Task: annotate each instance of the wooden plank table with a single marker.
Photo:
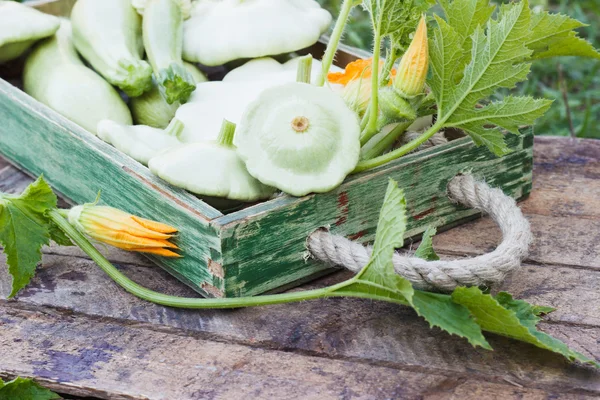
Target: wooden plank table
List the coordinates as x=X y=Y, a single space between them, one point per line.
x=75 y=331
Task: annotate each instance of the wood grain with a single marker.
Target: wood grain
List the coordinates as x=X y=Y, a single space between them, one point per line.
x=101 y=358
x=565 y=179
x=345 y=329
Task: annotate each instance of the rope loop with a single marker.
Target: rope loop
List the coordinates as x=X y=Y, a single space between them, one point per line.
x=445 y=275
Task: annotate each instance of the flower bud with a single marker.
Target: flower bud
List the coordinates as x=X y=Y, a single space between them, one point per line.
x=356 y=83
x=125 y=231
x=412 y=71
x=394 y=107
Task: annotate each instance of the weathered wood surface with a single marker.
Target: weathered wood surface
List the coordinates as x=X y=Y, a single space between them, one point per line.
x=169 y=366
x=77 y=332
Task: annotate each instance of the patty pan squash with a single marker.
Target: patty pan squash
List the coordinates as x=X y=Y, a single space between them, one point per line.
x=227 y=30
x=108 y=34
x=140 y=142
x=211 y=169
x=299 y=138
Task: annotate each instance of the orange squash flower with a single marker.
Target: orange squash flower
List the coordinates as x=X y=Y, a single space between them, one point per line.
x=356 y=82
x=125 y=231
x=413 y=67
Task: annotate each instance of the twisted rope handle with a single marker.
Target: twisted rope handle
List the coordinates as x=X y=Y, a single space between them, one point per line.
x=445 y=275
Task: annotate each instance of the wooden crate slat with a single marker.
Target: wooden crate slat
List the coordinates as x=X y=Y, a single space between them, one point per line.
x=265 y=250
x=78 y=165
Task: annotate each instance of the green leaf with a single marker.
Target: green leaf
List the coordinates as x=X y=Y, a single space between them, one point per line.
x=554 y=35
x=24 y=228
x=378 y=280
x=425 y=249
x=439 y=310
x=465 y=17
x=515 y=319
x=58 y=236
x=497 y=60
x=474 y=53
x=542 y=310
x=25 y=389
x=444 y=55
x=510 y=114
x=396 y=18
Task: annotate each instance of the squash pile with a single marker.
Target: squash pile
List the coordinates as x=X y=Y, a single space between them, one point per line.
x=277 y=122
x=266 y=127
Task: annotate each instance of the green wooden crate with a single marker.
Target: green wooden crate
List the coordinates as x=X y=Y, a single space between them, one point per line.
x=262 y=247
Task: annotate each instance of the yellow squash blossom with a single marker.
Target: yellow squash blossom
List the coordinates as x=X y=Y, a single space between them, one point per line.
x=356 y=83
x=125 y=231
x=413 y=67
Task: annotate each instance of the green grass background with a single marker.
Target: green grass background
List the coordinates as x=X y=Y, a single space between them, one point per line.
x=580 y=77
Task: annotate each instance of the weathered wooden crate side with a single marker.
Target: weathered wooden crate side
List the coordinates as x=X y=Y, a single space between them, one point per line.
x=78 y=165
x=264 y=246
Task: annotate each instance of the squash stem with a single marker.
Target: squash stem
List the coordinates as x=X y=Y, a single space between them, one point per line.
x=334 y=40
x=365 y=119
x=175 y=83
x=386 y=142
x=371 y=128
x=304 y=72
x=386 y=73
x=392 y=155
x=227 y=133
x=183 y=302
x=174 y=128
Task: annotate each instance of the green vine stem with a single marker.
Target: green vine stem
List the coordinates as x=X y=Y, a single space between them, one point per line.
x=371 y=128
x=390 y=59
x=365 y=118
x=399 y=152
x=386 y=142
x=334 y=40
x=183 y=302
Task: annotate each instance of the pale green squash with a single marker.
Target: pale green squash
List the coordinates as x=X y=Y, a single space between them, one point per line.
x=21 y=27
x=55 y=76
x=108 y=34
